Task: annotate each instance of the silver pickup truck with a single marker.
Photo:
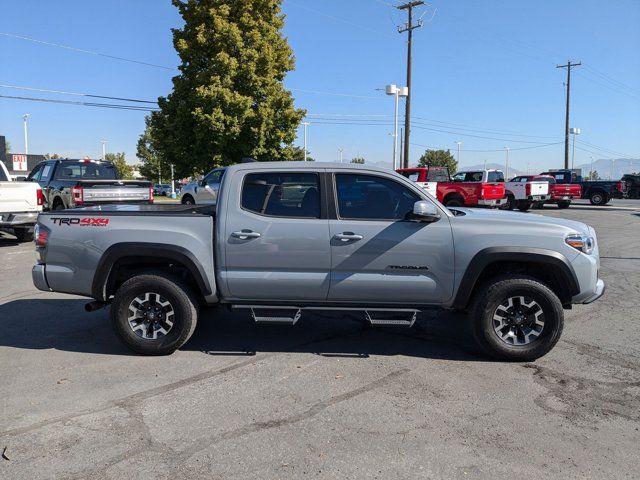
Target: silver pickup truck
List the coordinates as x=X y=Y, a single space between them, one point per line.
x=287 y=238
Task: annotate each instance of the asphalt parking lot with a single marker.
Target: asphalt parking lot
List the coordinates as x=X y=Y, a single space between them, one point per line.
x=328 y=398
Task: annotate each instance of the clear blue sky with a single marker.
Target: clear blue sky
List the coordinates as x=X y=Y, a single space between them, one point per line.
x=482 y=69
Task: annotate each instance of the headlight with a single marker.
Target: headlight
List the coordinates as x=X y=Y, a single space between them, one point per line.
x=584 y=243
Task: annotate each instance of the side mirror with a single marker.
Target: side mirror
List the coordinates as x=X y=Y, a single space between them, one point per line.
x=203 y=183
x=424 y=211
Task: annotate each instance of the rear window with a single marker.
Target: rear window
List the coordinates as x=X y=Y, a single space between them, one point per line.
x=495 y=177
x=282 y=194
x=86 y=171
x=436 y=175
x=468 y=177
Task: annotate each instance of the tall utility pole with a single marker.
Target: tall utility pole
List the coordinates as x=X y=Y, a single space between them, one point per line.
x=305 y=124
x=458 y=158
x=409 y=27
x=568 y=66
x=26 y=135
x=341 y=150
x=506 y=175
x=104 y=149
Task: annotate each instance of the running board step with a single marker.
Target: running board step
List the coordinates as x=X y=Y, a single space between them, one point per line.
x=391 y=318
x=276 y=315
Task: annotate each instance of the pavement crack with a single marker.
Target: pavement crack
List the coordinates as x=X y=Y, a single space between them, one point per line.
x=311 y=412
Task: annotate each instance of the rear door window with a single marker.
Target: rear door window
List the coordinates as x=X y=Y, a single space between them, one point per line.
x=282 y=194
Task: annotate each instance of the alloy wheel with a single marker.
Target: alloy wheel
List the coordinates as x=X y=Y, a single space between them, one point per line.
x=518 y=320
x=151 y=316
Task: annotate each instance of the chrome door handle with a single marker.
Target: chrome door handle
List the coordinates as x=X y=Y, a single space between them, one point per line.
x=347 y=236
x=245 y=234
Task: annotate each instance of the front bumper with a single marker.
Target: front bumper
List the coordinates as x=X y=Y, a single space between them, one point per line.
x=39 y=278
x=598 y=292
x=9 y=220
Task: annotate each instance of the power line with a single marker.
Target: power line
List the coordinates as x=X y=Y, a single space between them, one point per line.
x=82 y=50
x=488 y=151
x=83 y=104
x=46 y=90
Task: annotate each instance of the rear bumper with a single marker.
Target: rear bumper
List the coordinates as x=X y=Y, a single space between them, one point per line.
x=19 y=219
x=537 y=198
x=561 y=198
x=491 y=203
x=39 y=278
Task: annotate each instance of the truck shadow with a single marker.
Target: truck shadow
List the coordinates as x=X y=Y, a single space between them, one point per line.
x=63 y=324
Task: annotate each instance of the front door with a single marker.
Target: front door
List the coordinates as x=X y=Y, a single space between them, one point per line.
x=379 y=256
x=276 y=238
x=207 y=191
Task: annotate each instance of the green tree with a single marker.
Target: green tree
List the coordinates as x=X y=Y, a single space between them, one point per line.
x=154 y=165
x=52 y=156
x=439 y=158
x=228 y=102
x=359 y=160
x=124 y=169
x=593 y=175
x=291 y=153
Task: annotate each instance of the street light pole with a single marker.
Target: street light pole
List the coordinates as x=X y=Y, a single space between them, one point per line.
x=574 y=132
x=507 y=165
x=305 y=124
x=26 y=134
x=341 y=150
x=591 y=169
x=173 y=188
x=104 y=149
x=459 y=143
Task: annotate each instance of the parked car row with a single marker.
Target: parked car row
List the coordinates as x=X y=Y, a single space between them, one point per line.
x=488 y=188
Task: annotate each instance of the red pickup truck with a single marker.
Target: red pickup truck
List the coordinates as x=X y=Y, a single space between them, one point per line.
x=559 y=193
x=466 y=189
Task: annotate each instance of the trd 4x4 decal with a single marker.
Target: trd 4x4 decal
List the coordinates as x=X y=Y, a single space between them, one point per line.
x=83 y=222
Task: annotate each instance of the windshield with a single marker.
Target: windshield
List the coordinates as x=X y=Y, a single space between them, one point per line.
x=87 y=170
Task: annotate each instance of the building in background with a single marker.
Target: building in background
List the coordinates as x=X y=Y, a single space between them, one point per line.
x=18 y=164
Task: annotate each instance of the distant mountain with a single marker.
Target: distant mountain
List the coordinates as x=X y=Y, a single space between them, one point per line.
x=614 y=169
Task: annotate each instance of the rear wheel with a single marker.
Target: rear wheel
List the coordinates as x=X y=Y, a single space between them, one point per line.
x=516 y=318
x=510 y=204
x=564 y=204
x=523 y=205
x=23 y=234
x=154 y=314
x=188 y=200
x=598 y=198
x=454 y=202
x=537 y=205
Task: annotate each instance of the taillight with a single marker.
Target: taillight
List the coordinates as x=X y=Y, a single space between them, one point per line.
x=40 y=197
x=151 y=194
x=619 y=186
x=527 y=189
x=78 y=195
x=41 y=235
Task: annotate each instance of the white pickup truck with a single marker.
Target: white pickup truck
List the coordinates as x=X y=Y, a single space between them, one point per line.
x=521 y=192
x=20 y=204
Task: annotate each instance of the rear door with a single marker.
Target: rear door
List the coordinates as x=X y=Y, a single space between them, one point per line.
x=276 y=237
x=379 y=257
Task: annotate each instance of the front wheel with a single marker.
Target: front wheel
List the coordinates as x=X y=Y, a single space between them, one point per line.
x=564 y=204
x=454 y=202
x=154 y=314
x=516 y=318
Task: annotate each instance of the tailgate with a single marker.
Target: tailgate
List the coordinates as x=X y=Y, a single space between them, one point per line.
x=539 y=188
x=492 y=191
x=115 y=191
x=19 y=197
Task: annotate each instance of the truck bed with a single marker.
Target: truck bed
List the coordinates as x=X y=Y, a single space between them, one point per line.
x=80 y=240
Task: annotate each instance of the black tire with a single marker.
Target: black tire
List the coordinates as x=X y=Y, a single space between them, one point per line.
x=188 y=200
x=182 y=303
x=454 y=202
x=523 y=205
x=492 y=295
x=564 y=204
x=23 y=234
x=598 y=197
x=510 y=204
x=537 y=205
